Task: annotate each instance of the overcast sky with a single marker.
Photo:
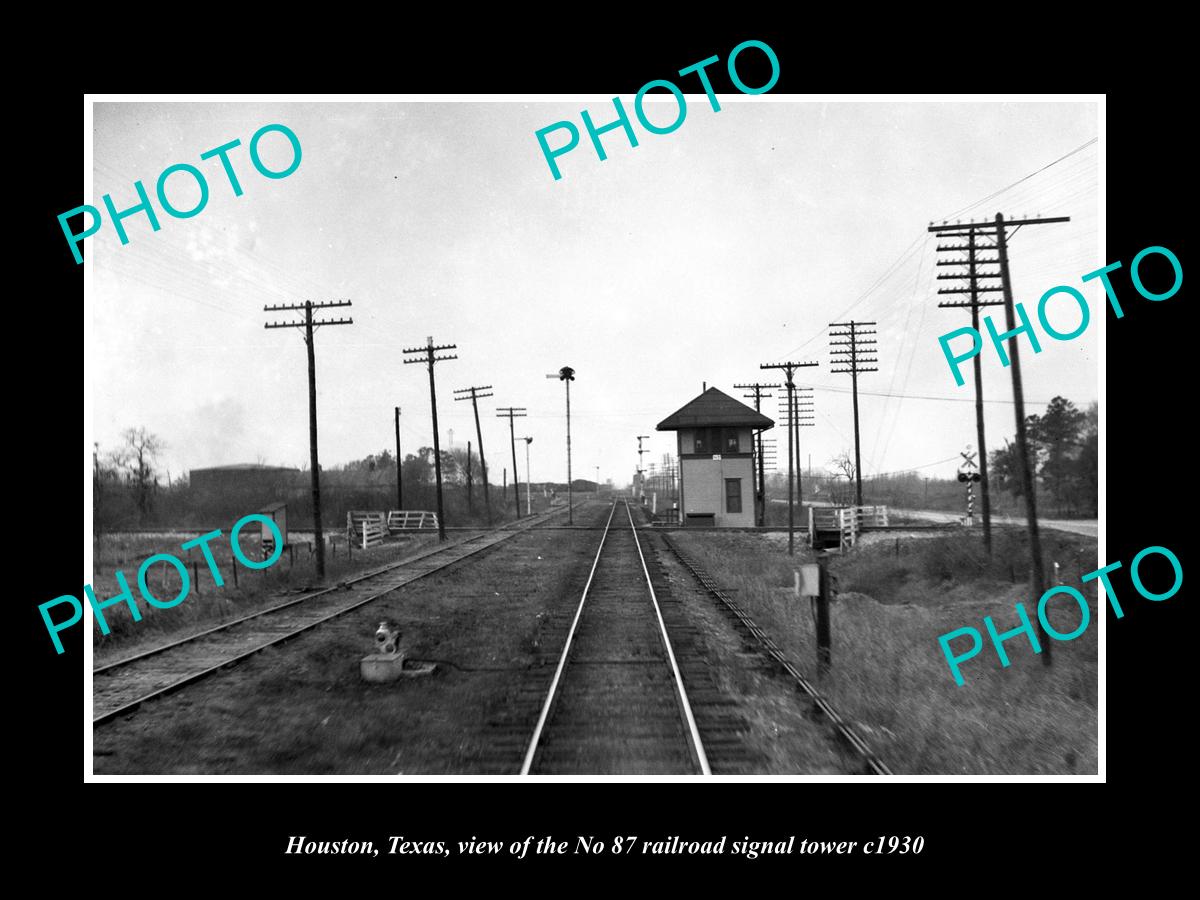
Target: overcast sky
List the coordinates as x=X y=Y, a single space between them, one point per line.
x=691 y=258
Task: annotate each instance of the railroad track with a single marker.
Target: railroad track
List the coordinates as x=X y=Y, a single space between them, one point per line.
x=120 y=687
x=617 y=703
x=872 y=763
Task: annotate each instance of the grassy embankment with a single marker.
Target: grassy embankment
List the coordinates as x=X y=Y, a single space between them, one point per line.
x=207 y=604
x=889 y=674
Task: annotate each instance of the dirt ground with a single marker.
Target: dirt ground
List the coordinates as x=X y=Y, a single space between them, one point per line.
x=494 y=626
x=208 y=604
x=303 y=708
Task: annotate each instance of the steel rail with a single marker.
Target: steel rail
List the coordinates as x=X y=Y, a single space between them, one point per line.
x=197 y=676
x=701 y=758
x=341 y=585
x=562 y=660
x=873 y=762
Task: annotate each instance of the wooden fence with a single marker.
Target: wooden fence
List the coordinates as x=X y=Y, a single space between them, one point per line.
x=842 y=524
x=365 y=528
x=410 y=520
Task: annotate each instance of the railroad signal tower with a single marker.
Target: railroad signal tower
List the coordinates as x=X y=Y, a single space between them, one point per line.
x=566 y=375
x=641 y=488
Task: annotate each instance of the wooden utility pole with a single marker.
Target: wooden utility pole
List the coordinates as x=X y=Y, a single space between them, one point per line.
x=470 y=483
x=428 y=355
x=472 y=394
x=399 y=480
x=998 y=231
x=759 y=396
x=801 y=406
x=860 y=360
x=510 y=413
x=308 y=306
x=789 y=369
x=973 y=276
x=802 y=419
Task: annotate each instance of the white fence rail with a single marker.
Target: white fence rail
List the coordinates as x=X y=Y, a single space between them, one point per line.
x=411 y=520
x=846 y=521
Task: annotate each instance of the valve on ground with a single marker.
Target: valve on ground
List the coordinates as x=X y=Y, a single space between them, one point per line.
x=387 y=639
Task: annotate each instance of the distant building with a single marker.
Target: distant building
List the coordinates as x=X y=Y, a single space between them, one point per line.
x=716 y=471
x=243 y=479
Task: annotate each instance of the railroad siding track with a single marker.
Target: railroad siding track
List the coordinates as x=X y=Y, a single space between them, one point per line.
x=721 y=721
x=120 y=687
x=870 y=763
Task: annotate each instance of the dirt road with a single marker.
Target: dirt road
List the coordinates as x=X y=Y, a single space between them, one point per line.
x=1086 y=527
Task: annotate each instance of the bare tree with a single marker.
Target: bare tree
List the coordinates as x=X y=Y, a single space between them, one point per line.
x=136 y=458
x=843 y=465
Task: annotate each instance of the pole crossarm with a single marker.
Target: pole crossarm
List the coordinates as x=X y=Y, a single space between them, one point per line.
x=301 y=307
x=992 y=225
x=968 y=304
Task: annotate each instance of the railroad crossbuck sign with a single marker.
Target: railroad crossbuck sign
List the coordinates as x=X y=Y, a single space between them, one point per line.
x=967 y=470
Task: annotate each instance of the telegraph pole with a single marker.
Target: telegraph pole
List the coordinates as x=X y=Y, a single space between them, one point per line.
x=470 y=483
x=567 y=374
x=399 y=480
x=308 y=306
x=513 y=412
x=998 y=231
x=861 y=357
x=789 y=368
x=801 y=418
x=758 y=396
x=428 y=355
x=472 y=394
x=801 y=403
x=973 y=276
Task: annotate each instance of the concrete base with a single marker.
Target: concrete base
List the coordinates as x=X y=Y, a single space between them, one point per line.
x=384 y=667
